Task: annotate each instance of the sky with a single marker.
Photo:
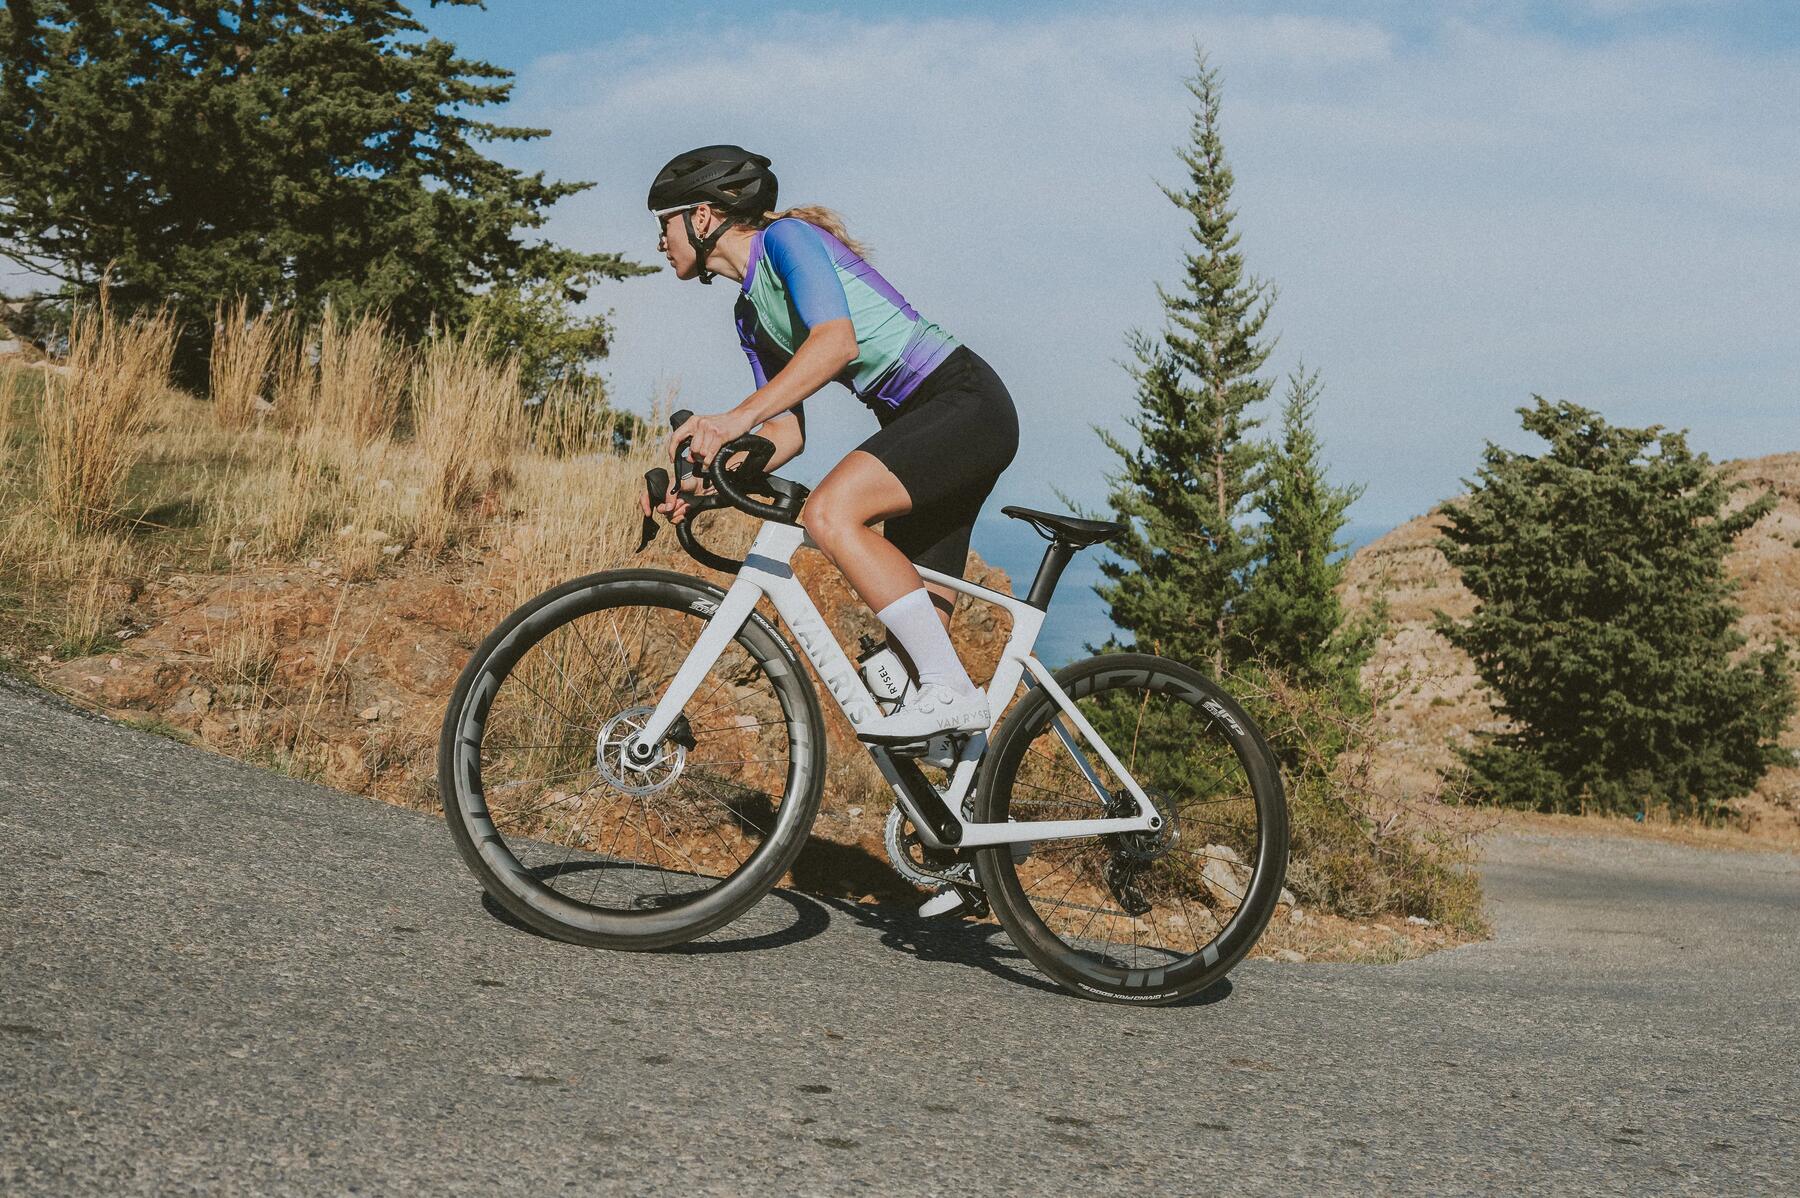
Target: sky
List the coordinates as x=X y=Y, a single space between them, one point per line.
x=1459 y=204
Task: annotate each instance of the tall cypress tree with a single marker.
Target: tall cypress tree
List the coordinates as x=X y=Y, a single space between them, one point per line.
x=291 y=152
x=1188 y=485
x=1291 y=617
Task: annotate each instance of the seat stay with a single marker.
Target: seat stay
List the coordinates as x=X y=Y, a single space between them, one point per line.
x=1081 y=759
x=1146 y=809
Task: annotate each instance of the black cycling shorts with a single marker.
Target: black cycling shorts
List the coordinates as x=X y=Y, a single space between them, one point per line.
x=947 y=444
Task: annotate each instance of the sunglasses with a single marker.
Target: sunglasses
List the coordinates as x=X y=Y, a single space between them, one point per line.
x=662 y=215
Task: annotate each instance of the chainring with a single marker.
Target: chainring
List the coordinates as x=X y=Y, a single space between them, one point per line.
x=903 y=843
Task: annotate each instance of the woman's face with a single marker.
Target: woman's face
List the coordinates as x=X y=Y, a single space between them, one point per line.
x=673 y=239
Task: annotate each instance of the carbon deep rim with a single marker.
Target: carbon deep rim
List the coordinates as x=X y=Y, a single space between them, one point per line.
x=524 y=890
x=1199 y=722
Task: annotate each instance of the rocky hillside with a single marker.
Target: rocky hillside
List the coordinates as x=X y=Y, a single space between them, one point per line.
x=259 y=658
x=1437 y=700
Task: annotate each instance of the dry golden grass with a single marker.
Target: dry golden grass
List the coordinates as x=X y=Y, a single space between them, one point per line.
x=374 y=507
x=468 y=421
x=219 y=493
x=11 y=395
x=296 y=382
x=70 y=579
x=243 y=351
x=245 y=651
x=85 y=618
x=94 y=417
x=577 y=515
x=328 y=685
x=573 y=420
x=296 y=496
x=361 y=378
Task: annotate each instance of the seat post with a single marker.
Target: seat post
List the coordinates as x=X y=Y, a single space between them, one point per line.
x=1057 y=557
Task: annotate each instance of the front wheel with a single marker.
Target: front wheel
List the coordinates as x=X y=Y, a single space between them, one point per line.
x=1146 y=917
x=580 y=843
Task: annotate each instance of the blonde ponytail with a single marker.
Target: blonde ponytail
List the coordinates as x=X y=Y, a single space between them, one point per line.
x=824 y=218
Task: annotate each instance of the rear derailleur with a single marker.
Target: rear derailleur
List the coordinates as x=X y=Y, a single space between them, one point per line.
x=1132 y=852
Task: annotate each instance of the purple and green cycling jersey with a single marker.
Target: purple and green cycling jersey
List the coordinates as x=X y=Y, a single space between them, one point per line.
x=800 y=276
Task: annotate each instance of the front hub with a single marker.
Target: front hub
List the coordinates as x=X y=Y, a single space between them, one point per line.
x=632 y=764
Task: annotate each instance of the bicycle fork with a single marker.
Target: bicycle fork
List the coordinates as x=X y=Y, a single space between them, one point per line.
x=722 y=624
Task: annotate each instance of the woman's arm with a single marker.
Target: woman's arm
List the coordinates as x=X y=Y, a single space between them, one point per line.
x=788 y=435
x=795 y=252
x=828 y=348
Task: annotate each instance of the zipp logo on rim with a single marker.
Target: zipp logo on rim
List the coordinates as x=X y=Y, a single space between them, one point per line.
x=1219 y=713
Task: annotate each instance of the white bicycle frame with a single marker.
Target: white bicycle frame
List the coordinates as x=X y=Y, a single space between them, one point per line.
x=766 y=571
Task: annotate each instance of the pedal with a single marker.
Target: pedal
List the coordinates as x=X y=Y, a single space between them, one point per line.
x=963 y=899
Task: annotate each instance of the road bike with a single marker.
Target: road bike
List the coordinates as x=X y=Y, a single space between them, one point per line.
x=634 y=758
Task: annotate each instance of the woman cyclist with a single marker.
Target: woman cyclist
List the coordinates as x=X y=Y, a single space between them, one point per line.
x=812 y=311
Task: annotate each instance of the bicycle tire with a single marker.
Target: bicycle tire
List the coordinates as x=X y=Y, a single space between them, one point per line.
x=716 y=849
x=1213 y=778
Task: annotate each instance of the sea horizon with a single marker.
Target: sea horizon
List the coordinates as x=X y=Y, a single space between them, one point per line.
x=1078 y=616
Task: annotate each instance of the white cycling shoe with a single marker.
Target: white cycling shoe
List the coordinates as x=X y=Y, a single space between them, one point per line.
x=929 y=711
x=944 y=902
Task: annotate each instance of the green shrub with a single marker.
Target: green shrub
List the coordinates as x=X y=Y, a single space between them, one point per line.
x=1358 y=849
x=1605 y=627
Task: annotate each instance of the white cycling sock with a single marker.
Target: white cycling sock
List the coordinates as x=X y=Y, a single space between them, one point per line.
x=913 y=620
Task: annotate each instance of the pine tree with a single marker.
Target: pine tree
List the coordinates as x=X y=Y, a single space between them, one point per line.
x=291 y=152
x=1605 y=627
x=1291 y=617
x=1187 y=488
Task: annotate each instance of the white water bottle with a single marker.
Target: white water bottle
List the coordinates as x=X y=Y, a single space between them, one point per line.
x=882 y=673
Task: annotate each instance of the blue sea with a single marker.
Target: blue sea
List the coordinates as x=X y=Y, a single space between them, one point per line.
x=1078 y=617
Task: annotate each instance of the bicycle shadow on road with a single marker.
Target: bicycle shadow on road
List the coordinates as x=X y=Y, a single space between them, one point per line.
x=749 y=933
x=982 y=945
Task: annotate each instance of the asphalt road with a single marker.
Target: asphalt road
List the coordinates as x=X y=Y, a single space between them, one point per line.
x=218 y=980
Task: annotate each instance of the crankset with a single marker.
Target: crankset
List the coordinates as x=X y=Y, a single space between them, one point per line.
x=917 y=862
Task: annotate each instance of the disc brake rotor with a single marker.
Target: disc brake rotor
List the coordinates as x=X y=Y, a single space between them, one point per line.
x=612 y=755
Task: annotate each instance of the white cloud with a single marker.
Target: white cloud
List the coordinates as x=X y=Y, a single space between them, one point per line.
x=1455 y=221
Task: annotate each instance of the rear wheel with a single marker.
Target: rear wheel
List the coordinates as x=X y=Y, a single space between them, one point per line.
x=1147 y=917
x=581 y=844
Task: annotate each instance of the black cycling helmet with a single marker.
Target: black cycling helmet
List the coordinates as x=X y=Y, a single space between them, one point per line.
x=729 y=177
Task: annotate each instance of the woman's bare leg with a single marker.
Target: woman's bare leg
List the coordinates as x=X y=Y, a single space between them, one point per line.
x=858 y=492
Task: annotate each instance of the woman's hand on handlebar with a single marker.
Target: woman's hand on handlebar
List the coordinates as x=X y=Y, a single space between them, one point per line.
x=673 y=505
x=707 y=434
